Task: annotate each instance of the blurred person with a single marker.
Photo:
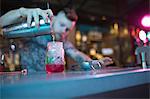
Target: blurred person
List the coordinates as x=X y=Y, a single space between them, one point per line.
x=33 y=51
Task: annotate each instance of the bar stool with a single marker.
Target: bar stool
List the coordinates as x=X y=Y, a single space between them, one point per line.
x=143 y=56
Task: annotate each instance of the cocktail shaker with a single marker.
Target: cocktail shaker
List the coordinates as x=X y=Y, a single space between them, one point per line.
x=21 y=30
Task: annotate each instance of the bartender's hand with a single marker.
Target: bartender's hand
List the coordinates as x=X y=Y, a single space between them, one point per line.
x=101 y=63
x=35 y=13
x=106 y=61
x=13 y=16
x=96 y=64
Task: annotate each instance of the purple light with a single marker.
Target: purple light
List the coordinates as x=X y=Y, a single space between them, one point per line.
x=146 y=21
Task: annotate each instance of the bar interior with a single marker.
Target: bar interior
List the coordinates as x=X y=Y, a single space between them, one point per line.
x=84 y=49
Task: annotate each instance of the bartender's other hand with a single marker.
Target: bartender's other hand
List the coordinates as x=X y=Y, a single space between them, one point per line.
x=96 y=64
x=106 y=61
x=35 y=13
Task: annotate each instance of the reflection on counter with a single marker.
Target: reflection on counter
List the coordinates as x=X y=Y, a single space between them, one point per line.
x=89 y=82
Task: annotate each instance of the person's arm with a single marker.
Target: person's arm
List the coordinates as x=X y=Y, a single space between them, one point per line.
x=14 y=15
x=82 y=59
x=10 y=17
x=74 y=53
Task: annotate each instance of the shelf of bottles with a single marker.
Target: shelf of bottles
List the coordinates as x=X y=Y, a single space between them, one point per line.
x=114 y=42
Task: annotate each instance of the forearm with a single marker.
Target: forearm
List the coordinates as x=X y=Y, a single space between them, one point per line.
x=82 y=59
x=10 y=17
x=77 y=56
x=74 y=53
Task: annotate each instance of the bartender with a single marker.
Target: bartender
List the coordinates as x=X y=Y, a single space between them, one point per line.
x=33 y=51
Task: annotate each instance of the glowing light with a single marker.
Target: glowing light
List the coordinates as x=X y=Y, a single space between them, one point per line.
x=92 y=18
x=116 y=26
x=137 y=30
x=112 y=31
x=125 y=31
x=133 y=33
x=92 y=51
x=78 y=36
x=142 y=35
x=107 y=51
x=98 y=56
x=78 y=43
x=103 y=18
x=148 y=35
x=13 y=47
x=84 y=38
x=146 y=21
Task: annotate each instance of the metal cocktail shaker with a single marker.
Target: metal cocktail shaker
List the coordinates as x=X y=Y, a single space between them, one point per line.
x=21 y=30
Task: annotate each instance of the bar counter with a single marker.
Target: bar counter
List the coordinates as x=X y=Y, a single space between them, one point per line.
x=70 y=84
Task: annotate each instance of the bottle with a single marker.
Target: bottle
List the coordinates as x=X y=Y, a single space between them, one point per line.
x=55 y=61
x=143 y=60
x=21 y=30
x=2 y=65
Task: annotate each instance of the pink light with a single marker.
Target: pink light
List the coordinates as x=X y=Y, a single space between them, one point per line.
x=146 y=21
x=142 y=35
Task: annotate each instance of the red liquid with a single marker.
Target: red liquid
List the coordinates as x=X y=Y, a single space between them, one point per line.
x=1 y=68
x=54 y=68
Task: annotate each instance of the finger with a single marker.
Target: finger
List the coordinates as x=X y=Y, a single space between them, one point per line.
x=36 y=18
x=107 y=58
x=93 y=67
x=44 y=16
x=49 y=12
x=99 y=64
x=107 y=61
x=50 y=17
x=94 y=62
x=29 y=19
